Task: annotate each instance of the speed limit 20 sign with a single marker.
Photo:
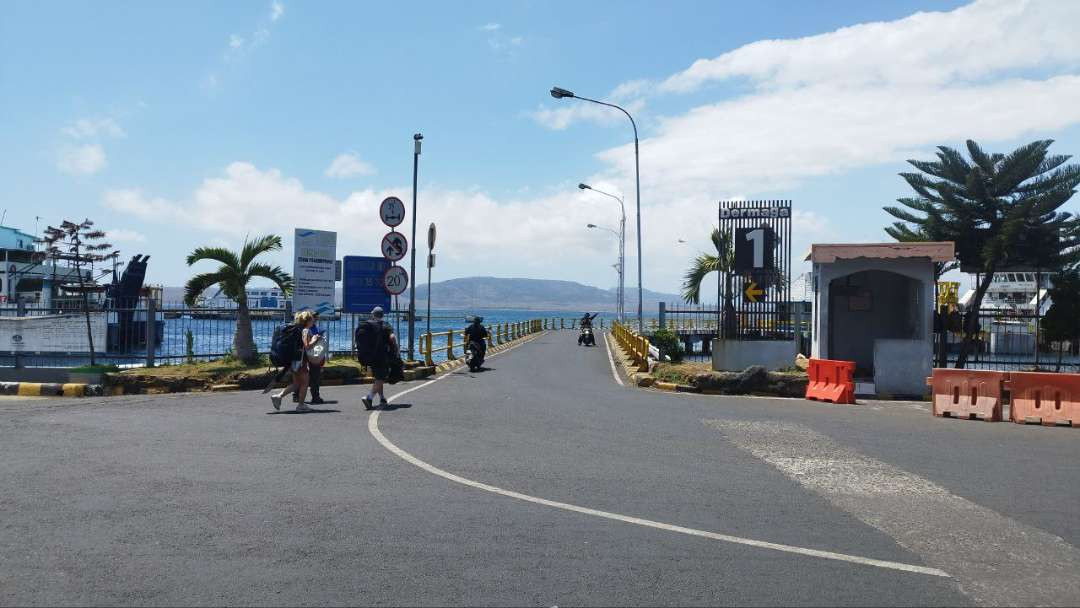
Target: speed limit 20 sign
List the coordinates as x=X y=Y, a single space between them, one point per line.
x=395 y=280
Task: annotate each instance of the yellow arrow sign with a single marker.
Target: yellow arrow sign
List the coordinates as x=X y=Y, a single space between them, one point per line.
x=753 y=292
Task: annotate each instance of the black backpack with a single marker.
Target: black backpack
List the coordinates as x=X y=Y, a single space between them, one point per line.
x=368 y=341
x=285 y=345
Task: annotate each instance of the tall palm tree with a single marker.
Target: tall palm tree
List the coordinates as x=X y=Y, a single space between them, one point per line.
x=232 y=276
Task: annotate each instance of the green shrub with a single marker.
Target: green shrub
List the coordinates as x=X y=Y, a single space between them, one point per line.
x=668 y=344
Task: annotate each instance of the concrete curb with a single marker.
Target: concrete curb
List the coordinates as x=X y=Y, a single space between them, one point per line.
x=50 y=389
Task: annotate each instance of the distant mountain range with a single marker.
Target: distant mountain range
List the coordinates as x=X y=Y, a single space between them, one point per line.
x=521 y=294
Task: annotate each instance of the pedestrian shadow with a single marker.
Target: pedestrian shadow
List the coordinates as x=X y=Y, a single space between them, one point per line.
x=310 y=411
x=389 y=407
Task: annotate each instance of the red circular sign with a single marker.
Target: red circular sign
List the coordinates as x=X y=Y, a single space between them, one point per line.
x=394 y=246
x=395 y=280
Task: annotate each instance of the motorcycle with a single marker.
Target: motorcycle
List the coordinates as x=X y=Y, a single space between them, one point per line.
x=586 y=338
x=474 y=356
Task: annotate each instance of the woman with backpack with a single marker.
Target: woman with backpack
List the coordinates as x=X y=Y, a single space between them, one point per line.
x=304 y=321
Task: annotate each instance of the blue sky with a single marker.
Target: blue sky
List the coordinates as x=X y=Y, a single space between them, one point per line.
x=176 y=125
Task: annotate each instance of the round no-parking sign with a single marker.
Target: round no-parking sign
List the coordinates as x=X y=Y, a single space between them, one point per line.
x=395 y=280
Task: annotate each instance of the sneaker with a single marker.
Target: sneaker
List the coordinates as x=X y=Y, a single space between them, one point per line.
x=317 y=401
x=303 y=408
x=367 y=403
x=276 y=400
x=384 y=403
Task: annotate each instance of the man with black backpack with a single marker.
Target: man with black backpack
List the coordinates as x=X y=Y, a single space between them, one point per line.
x=377 y=348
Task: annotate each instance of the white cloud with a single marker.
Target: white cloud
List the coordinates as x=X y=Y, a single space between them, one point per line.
x=89 y=128
x=81 y=160
x=968 y=44
x=491 y=27
x=121 y=235
x=573 y=111
x=348 y=165
x=277 y=9
x=235 y=41
x=517 y=40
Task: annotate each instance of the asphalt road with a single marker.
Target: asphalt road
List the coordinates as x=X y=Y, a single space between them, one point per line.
x=537 y=482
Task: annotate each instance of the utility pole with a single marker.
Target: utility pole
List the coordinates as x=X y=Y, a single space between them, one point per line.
x=417 y=138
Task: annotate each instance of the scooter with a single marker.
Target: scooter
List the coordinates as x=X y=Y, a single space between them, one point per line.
x=474 y=356
x=586 y=338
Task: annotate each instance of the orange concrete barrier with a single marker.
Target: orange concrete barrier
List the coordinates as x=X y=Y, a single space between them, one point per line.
x=831 y=381
x=968 y=394
x=1044 y=398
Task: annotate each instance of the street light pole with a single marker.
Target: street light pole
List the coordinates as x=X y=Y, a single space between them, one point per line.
x=412 y=261
x=621 y=301
x=619 y=267
x=558 y=93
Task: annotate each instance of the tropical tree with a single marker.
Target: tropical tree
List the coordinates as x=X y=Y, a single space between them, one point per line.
x=1000 y=210
x=704 y=265
x=232 y=276
x=1062 y=321
x=82 y=246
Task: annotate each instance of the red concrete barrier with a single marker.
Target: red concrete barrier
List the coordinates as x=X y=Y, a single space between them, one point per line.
x=831 y=381
x=1044 y=398
x=968 y=394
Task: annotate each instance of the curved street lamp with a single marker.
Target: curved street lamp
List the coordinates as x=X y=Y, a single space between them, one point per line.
x=621 y=300
x=559 y=93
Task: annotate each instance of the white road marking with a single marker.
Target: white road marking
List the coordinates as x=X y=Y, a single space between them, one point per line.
x=611 y=359
x=373 y=428
x=994 y=559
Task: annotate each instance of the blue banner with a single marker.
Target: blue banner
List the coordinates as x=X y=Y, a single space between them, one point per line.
x=362 y=284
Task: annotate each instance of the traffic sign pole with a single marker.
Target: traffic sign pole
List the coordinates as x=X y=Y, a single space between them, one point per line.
x=430 y=265
x=417 y=138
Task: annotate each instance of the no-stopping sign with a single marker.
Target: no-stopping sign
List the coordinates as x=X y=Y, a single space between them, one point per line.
x=395 y=280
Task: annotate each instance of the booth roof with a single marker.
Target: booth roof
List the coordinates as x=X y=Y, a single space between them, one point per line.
x=827 y=253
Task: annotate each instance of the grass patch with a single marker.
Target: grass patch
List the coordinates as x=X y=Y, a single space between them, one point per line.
x=211 y=370
x=681 y=373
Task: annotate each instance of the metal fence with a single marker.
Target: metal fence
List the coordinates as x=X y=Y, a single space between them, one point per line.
x=697 y=326
x=180 y=334
x=1007 y=341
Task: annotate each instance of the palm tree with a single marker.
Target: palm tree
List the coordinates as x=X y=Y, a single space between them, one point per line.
x=232 y=276
x=706 y=264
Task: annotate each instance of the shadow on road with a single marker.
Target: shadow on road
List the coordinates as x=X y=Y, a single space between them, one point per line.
x=311 y=411
x=389 y=407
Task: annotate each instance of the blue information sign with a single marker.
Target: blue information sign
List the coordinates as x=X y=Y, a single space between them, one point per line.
x=362 y=284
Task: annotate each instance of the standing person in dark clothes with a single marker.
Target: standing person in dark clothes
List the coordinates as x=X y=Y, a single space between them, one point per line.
x=380 y=366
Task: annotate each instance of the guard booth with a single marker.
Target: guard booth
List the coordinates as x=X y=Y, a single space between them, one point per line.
x=874 y=305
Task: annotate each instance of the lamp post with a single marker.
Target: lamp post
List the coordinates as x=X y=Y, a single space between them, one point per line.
x=558 y=93
x=618 y=267
x=412 y=260
x=622 y=249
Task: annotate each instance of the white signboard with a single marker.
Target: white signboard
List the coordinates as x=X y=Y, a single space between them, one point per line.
x=52 y=333
x=315 y=252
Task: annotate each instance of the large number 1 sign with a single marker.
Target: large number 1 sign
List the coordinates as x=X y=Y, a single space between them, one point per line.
x=753 y=249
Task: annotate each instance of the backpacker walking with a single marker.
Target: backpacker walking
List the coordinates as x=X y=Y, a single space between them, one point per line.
x=377 y=348
x=289 y=348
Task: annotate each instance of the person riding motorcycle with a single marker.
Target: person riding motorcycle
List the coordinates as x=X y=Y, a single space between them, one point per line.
x=476 y=332
x=586 y=321
x=585 y=335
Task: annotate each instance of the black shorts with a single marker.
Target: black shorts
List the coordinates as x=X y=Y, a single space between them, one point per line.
x=381 y=370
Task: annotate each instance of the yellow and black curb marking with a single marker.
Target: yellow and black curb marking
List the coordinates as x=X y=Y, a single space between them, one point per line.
x=644 y=379
x=50 y=389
